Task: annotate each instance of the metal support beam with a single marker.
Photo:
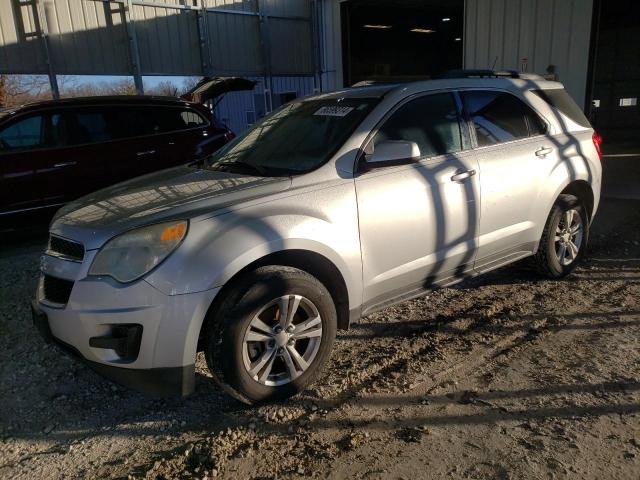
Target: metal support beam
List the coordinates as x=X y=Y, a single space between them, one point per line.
x=203 y=35
x=315 y=45
x=263 y=26
x=44 y=28
x=133 y=47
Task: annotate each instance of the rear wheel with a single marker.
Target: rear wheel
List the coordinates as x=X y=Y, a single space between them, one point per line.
x=564 y=238
x=271 y=335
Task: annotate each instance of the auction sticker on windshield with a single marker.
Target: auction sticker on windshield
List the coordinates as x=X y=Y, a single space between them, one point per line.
x=332 y=111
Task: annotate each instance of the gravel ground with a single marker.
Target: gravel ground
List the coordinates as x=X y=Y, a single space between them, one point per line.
x=504 y=376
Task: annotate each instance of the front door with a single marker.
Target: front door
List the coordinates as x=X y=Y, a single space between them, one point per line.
x=418 y=222
x=22 y=163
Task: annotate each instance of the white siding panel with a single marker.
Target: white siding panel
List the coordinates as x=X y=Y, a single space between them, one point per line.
x=234 y=41
x=20 y=50
x=168 y=41
x=291 y=46
x=545 y=32
x=331 y=76
x=239 y=5
x=286 y=8
x=87 y=37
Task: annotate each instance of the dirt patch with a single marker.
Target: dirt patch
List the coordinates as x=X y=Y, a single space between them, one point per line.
x=504 y=376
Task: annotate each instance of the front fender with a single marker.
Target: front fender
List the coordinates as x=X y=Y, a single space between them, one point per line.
x=217 y=248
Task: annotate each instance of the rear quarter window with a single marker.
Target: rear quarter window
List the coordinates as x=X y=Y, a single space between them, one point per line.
x=159 y=119
x=559 y=98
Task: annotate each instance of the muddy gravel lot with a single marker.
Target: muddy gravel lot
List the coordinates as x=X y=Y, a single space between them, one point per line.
x=504 y=376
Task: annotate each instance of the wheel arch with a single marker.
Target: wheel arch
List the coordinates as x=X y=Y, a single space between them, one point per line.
x=306 y=260
x=584 y=192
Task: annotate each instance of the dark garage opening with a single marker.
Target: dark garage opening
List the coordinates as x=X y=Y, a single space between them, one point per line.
x=389 y=40
x=615 y=109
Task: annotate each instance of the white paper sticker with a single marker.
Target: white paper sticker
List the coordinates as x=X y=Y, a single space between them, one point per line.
x=333 y=111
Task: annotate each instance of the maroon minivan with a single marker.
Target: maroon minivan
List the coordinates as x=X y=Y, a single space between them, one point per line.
x=55 y=151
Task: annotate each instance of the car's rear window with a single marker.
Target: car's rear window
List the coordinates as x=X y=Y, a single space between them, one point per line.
x=560 y=99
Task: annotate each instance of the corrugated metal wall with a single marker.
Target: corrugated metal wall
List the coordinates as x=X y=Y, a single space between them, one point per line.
x=173 y=37
x=19 y=39
x=234 y=43
x=330 y=44
x=544 y=32
x=168 y=40
x=239 y=109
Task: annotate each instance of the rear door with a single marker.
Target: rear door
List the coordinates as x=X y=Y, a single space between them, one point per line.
x=175 y=135
x=514 y=157
x=89 y=149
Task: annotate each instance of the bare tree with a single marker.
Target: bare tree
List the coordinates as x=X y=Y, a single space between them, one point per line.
x=188 y=83
x=17 y=90
x=165 y=88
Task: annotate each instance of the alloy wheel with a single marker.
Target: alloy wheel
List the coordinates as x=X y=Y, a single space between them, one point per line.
x=282 y=340
x=568 y=237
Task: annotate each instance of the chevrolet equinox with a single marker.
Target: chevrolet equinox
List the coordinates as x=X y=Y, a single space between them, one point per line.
x=330 y=208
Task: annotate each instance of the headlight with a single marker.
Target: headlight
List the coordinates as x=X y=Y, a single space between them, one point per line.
x=129 y=256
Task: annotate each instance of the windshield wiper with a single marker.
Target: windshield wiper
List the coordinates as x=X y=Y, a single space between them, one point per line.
x=246 y=166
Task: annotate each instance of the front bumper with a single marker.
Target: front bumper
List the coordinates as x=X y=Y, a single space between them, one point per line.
x=159 y=382
x=161 y=362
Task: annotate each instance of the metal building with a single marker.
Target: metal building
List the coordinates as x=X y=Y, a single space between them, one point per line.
x=295 y=47
x=592 y=46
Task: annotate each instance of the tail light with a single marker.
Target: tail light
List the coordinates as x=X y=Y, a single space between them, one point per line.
x=597 y=142
x=230 y=136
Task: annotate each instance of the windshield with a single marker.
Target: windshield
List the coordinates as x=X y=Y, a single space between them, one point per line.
x=295 y=139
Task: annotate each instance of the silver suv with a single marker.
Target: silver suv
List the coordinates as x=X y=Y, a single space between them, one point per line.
x=330 y=208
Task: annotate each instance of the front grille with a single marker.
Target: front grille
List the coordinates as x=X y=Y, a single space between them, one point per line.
x=65 y=248
x=56 y=290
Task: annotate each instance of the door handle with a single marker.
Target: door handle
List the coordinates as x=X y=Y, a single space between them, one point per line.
x=64 y=164
x=459 y=177
x=543 y=152
x=146 y=152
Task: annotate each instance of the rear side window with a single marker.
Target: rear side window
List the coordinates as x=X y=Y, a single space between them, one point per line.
x=169 y=119
x=559 y=98
x=192 y=119
x=496 y=116
x=26 y=134
x=432 y=121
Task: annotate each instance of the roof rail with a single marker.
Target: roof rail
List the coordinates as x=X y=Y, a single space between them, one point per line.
x=478 y=73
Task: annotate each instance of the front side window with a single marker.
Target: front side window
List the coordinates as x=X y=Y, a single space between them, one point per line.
x=25 y=134
x=431 y=121
x=296 y=138
x=499 y=117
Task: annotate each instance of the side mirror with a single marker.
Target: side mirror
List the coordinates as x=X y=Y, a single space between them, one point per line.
x=393 y=152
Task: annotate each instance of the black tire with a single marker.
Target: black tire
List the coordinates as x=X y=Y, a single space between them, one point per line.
x=546 y=259
x=224 y=342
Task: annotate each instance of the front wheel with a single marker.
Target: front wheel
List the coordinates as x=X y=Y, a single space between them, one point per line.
x=271 y=335
x=564 y=238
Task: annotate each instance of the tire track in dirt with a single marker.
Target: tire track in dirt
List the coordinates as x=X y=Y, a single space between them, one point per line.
x=419 y=356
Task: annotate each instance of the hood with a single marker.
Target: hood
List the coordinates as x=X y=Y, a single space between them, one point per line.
x=209 y=88
x=181 y=192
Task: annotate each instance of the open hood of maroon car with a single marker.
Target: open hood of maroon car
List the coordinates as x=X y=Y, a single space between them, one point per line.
x=212 y=87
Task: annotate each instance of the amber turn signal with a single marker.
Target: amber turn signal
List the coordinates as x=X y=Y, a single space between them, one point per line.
x=174 y=232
